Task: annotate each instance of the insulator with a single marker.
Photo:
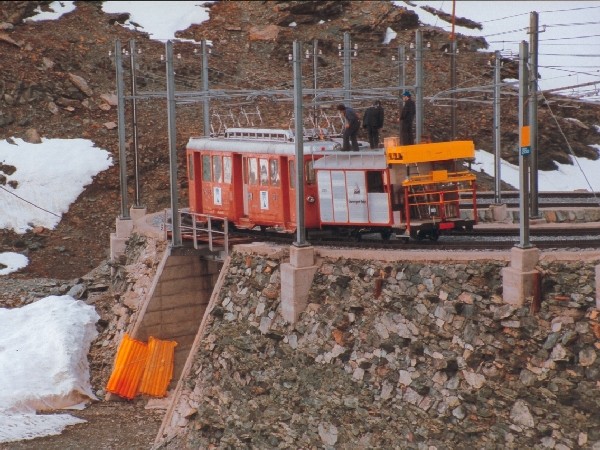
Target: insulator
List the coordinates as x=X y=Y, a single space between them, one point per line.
x=289 y=57
x=178 y=55
x=412 y=45
x=339 y=46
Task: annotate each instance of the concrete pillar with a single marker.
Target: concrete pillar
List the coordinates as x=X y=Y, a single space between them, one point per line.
x=118 y=240
x=499 y=212
x=520 y=278
x=137 y=213
x=598 y=287
x=296 y=280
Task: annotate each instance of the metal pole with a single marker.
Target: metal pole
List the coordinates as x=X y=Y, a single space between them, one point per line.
x=523 y=159
x=497 y=147
x=401 y=81
x=347 y=71
x=315 y=65
x=136 y=170
x=419 y=85
x=176 y=236
x=533 y=112
x=121 y=130
x=453 y=87
x=299 y=140
x=205 y=101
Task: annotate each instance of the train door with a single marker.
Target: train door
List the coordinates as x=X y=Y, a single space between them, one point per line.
x=263 y=186
x=311 y=208
x=246 y=184
x=217 y=171
x=378 y=199
x=207 y=194
x=195 y=181
x=354 y=197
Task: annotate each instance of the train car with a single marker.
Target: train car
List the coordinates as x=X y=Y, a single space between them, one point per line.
x=414 y=191
x=248 y=176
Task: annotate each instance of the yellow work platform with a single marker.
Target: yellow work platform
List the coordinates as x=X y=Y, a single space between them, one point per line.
x=436 y=151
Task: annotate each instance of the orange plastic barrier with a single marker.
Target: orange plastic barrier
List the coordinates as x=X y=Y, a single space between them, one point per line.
x=159 y=367
x=142 y=368
x=129 y=368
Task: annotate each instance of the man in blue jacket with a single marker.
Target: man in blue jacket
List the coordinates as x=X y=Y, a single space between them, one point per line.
x=351 y=128
x=406 y=118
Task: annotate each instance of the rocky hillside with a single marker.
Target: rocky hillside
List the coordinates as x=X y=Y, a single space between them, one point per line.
x=402 y=354
x=56 y=79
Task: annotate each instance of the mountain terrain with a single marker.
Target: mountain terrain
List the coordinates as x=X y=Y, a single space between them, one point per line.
x=57 y=80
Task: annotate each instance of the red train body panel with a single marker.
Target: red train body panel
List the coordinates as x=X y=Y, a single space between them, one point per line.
x=248 y=177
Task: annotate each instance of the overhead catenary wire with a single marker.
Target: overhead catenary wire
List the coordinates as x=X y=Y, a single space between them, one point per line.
x=569 y=147
x=31 y=203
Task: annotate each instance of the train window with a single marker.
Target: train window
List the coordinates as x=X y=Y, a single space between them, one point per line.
x=217 y=169
x=206 y=168
x=274 y=171
x=227 y=169
x=191 y=166
x=309 y=173
x=292 y=173
x=264 y=171
x=252 y=170
x=374 y=181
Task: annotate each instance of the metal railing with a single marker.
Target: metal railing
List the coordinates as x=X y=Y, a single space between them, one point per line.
x=196 y=226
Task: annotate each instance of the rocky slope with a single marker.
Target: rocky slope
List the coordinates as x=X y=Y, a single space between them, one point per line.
x=56 y=75
x=400 y=354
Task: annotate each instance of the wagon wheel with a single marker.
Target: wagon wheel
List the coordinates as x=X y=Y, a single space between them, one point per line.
x=386 y=234
x=434 y=235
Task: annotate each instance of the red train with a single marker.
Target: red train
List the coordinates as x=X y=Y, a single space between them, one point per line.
x=248 y=177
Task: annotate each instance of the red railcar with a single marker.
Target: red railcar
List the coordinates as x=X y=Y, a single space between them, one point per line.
x=248 y=177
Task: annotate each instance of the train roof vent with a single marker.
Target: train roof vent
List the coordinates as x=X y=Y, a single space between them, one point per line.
x=260 y=134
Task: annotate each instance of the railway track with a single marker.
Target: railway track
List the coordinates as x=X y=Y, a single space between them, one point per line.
x=497 y=239
x=545 y=199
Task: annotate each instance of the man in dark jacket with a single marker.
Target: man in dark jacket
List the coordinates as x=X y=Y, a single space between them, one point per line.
x=373 y=122
x=406 y=118
x=351 y=128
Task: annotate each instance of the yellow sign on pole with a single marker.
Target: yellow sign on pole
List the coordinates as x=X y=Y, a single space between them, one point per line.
x=525 y=140
x=526 y=136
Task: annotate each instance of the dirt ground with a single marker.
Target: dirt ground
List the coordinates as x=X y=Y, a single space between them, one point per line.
x=110 y=425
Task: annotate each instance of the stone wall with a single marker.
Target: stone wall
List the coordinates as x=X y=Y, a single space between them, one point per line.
x=394 y=355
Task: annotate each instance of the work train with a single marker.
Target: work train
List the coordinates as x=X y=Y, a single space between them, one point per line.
x=248 y=177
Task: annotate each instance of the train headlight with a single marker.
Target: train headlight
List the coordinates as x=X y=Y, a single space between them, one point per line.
x=310 y=199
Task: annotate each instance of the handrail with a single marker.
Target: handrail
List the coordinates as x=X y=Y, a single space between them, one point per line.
x=201 y=224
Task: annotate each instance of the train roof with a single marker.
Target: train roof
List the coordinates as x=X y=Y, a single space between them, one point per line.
x=260 y=140
x=365 y=160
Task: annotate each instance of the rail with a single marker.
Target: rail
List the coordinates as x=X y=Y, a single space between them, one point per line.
x=195 y=226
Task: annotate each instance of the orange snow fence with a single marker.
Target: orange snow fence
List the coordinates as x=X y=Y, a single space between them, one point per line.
x=129 y=368
x=159 y=367
x=141 y=367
